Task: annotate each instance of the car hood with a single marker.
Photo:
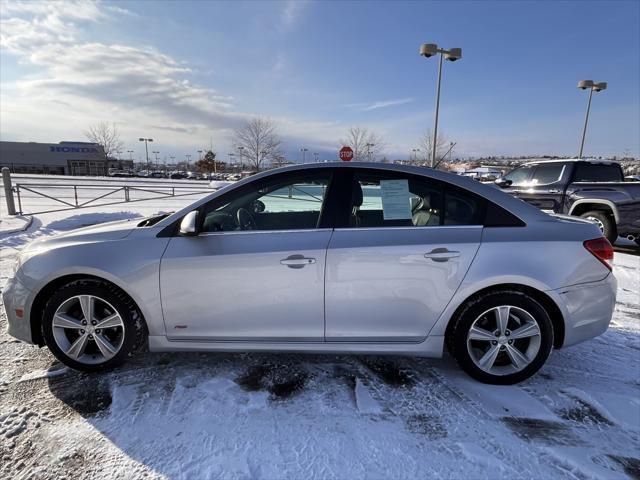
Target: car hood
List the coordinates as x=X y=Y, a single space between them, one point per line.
x=93 y=233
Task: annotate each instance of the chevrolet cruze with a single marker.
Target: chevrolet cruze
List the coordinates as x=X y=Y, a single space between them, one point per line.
x=335 y=257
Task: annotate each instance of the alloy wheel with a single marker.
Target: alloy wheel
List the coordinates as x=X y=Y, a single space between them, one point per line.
x=504 y=340
x=88 y=329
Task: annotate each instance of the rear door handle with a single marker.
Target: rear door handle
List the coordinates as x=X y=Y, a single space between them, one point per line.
x=297 y=261
x=554 y=190
x=441 y=254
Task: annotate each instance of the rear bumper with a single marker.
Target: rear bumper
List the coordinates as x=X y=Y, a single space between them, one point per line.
x=587 y=309
x=15 y=296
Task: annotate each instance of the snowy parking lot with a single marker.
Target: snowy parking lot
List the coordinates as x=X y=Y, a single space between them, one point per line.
x=308 y=416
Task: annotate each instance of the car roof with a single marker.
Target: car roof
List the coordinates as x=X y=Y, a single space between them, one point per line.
x=570 y=160
x=516 y=206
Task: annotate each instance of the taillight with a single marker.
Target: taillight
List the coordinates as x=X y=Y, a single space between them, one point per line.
x=601 y=249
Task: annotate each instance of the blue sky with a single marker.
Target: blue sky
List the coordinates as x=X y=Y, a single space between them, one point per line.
x=187 y=73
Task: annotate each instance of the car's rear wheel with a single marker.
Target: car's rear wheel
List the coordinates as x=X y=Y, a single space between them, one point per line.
x=605 y=223
x=89 y=325
x=502 y=337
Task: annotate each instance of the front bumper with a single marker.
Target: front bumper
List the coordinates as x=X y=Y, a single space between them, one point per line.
x=588 y=309
x=15 y=296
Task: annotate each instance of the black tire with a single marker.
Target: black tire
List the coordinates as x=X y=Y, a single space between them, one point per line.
x=134 y=332
x=608 y=227
x=457 y=335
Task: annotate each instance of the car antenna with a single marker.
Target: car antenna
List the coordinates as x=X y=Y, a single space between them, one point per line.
x=451 y=145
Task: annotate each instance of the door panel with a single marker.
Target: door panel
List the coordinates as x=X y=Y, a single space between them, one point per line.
x=245 y=286
x=392 y=284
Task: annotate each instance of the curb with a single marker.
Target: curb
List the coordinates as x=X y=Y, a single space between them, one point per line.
x=15 y=223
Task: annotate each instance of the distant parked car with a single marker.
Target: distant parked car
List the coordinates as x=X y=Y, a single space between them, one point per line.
x=177 y=175
x=120 y=173
x=632 y=178
x=217 y=184
x=332 y=257
x=590 y=189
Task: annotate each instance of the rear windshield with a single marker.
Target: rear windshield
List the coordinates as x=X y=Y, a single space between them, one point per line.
x=590 y=172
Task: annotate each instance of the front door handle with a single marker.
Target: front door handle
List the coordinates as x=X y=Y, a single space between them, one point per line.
x=297 y=261
x=554 y=190
x=441 y=254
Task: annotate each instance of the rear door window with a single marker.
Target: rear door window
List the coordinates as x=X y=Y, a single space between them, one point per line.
x=545 y=174
x=396 y=199
x=590 y=172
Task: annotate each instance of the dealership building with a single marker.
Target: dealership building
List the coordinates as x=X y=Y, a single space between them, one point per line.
x=64 y=158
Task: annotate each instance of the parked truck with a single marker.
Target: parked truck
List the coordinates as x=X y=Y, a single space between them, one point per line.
x=591 y=189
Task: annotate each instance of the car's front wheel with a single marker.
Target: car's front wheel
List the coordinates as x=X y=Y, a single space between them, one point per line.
x=502 y=338
x=89 y=325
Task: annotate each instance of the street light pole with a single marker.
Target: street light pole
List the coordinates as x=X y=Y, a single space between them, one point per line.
x=435 y=127
x=315 y=156
x=188 y=158
x=241 y=150
x=304 y=154
x=428 y=50
x=584 y=84
x=146 y=147
x=369 y=145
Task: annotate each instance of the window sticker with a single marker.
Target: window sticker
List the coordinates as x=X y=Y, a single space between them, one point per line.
x=396 y=199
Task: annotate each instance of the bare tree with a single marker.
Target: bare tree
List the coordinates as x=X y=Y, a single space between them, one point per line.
x=260 y=141
x=107 y=136
x=366 y=145
x=426 y=145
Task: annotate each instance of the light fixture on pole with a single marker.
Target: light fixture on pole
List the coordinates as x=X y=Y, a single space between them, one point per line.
x=429 y=50
x=593 y=87
x=241 y=150
x=130 y=152
x=304 y=151
x=415 y=154
x=199 y=154
x=156 y=154
x=146 y=147
x=369 y=145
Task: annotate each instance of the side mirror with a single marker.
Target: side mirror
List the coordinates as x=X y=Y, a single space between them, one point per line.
x=503 y=182
x=188 y=225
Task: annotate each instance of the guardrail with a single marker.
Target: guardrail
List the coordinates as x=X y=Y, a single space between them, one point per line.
x=83 y=195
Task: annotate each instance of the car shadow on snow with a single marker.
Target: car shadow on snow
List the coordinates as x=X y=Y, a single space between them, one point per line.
x=217 y=409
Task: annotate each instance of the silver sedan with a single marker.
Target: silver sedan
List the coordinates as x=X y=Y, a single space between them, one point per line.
x=335 y=257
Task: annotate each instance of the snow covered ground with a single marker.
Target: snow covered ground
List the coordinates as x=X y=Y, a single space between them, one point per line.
x=302 y=416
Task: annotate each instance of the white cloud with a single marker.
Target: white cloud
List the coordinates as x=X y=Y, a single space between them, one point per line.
x=291 y=12
x=368 y=106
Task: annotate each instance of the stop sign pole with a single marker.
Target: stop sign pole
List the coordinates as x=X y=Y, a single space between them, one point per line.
x=346 y=154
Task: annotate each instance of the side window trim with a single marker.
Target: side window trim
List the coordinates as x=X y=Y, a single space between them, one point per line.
x=343 y=202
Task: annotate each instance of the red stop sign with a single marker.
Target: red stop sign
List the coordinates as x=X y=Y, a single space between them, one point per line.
x=346 y=154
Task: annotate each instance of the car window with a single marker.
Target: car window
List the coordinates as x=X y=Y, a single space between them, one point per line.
x=290 y=203
x=590 y=172
x=519 y=176
x=547 y=173
x=462 y=208
x=391 y=199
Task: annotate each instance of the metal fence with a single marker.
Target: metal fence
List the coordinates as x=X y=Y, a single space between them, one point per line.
x=73 y=196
